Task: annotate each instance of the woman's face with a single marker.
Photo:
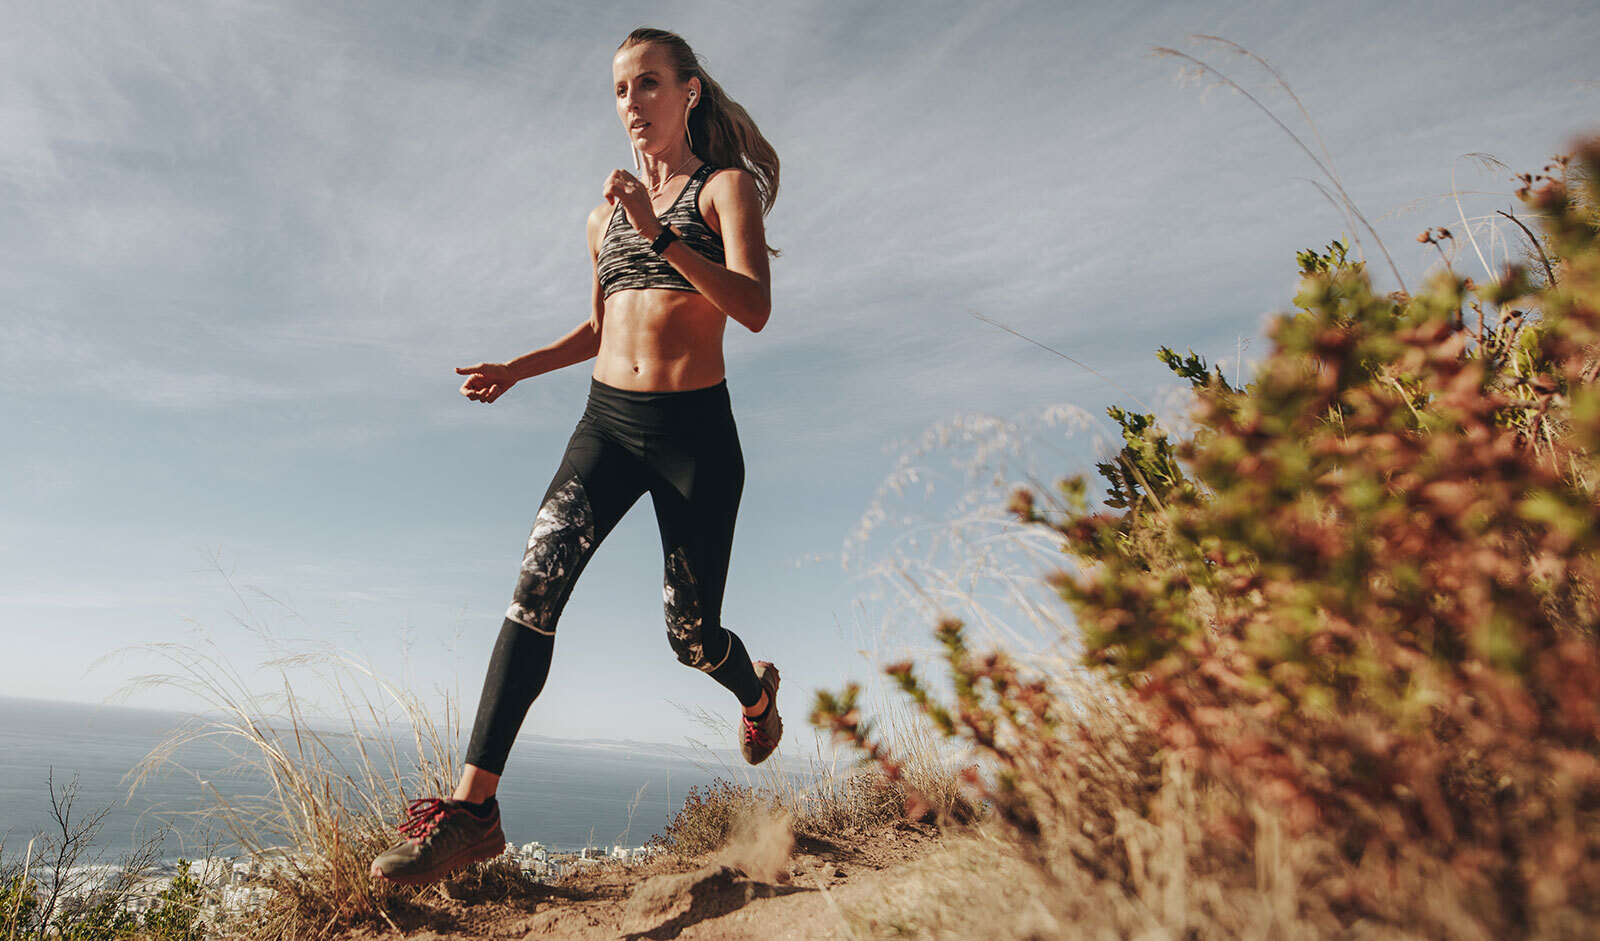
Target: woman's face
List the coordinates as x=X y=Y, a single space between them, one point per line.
x=651 y=102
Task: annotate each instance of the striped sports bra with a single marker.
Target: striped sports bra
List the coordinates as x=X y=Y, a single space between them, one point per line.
x=626 y=263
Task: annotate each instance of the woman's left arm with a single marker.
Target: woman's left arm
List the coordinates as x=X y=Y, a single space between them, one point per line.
x=742 y=288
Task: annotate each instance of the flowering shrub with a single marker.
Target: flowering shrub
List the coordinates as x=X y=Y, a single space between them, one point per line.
x=1360 y=596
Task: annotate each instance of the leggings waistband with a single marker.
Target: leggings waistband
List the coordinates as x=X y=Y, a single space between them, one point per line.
x=659 y=411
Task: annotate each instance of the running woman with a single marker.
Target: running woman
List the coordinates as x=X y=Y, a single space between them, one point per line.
x=678 y=251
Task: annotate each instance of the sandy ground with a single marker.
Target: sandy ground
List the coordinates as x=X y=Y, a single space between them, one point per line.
x=768 y=885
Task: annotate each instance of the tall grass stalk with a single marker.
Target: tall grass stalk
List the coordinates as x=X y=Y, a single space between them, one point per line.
x=21 y=891
x=339 y=750
x=1340 y=199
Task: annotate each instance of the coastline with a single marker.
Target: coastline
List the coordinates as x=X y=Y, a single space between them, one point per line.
x=565 y=794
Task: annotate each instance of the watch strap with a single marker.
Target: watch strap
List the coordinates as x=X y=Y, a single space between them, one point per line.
x=667 y=237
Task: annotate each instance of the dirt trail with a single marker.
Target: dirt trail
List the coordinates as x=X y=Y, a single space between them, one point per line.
x=766 y=887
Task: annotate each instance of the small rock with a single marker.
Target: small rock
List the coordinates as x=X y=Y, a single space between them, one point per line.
x=451 y=891
x=687 y=898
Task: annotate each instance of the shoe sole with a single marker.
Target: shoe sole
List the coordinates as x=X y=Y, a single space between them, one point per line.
x=476 y=853
x=772 y=671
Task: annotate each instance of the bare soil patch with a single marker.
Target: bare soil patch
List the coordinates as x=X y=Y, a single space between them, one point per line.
x=765 y=885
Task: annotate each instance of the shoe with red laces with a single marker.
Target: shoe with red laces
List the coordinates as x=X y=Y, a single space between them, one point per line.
x=441 y=835
x=758 y=737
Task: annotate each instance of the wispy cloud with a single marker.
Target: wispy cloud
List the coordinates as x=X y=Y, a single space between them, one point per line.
x=246 y=243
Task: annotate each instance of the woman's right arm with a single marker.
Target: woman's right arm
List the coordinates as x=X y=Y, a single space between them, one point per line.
x=488 y=381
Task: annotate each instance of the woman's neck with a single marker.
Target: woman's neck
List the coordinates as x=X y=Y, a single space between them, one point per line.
x=658 y=169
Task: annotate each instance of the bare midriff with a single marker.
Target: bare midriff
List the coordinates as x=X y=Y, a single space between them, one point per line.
x=656 y=340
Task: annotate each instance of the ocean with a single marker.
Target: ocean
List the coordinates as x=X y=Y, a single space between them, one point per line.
x=566 y=795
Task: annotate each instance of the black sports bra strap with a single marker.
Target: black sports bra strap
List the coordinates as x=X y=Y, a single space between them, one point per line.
x=697 y=182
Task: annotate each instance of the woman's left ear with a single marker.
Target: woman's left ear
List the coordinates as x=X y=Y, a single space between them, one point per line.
x=694 y=92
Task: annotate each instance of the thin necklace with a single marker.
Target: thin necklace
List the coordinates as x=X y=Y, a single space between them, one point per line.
x=656 y=187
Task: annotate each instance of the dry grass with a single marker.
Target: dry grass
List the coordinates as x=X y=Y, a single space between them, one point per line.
x=824 y=794
x=978 y=885
x=826 y=801
x=1101 y=834
x=340 y=750
x=709 y=818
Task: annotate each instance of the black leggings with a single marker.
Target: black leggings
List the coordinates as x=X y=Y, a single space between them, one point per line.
x=683 y=449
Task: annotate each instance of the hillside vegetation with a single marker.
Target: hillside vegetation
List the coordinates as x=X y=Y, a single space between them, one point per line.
x=1341 y=668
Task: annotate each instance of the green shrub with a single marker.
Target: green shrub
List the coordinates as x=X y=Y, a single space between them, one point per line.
x=1373 y=605
x=19 y=901
x=103 y=919
x=176 y=916
x=59 y=889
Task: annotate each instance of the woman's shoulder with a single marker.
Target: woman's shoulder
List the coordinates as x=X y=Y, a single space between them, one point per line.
x=727 y=176
x=730 y=183
x=599 y=218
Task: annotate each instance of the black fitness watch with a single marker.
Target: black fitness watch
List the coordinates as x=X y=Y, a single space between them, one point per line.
x=667 y=237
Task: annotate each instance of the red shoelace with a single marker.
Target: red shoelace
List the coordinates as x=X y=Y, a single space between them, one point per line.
x=423 y=816
x=754 y=735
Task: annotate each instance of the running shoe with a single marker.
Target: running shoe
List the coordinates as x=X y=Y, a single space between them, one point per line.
x=441 y=835
x=757 y=739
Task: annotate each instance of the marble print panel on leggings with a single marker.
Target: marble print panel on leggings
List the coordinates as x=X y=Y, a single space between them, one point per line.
x=562 y=534
x=680 y=597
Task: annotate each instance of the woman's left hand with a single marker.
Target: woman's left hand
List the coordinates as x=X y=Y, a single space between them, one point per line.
x=486 y=381
x=622 y=186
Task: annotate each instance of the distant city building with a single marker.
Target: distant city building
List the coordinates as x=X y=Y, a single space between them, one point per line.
x=631 y=855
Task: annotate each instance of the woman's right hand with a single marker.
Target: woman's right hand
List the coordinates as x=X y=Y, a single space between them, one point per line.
x=627 y=189
x=486 y=381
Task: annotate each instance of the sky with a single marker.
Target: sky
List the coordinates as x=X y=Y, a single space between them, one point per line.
x=247 y=244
